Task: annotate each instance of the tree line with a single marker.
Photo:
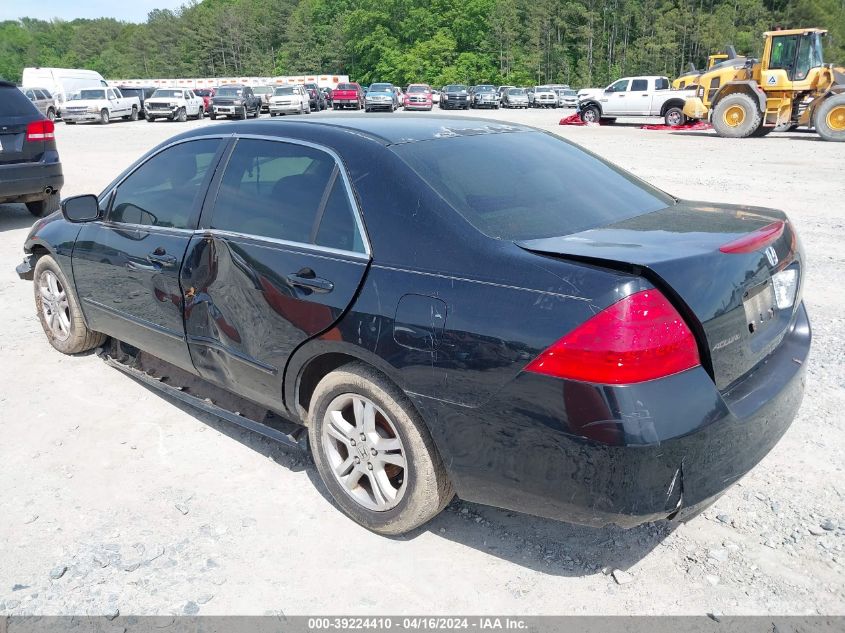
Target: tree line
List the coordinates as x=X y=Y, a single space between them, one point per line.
x=578 y=42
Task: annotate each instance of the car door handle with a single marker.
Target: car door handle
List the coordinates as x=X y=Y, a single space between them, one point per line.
x=306 y=278
x=161 y=258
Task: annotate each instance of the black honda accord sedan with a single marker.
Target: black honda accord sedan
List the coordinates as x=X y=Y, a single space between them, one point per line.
x=449 y=307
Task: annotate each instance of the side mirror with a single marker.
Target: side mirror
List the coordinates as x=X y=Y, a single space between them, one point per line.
x=81 y=208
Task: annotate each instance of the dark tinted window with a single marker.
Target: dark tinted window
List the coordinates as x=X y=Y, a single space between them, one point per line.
x=639 y=85
x=662 y=84
x=15 y=103
x=529 y=185
x=272 y=189
x=338 y=228
x=346 y=87
x=165 y=190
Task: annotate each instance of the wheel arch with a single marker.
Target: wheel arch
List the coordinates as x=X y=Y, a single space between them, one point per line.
x=745 y=86
x=672 y=103
x=590 y=103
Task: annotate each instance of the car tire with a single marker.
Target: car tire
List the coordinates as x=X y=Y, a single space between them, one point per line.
x=212 y=116
x=150 y=119
x=181 y=115
x=51 y=114
x=69 y=122
x=200 y=113
x=40 y=208
x=134 y=115
x=104 y=117
x=394 y=499
x=59 y=311
x=674 y=116
x=736 y=116
x=590 y=114
x=830 y=118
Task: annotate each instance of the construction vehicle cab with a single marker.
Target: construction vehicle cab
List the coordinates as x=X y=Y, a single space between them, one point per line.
x=690 y=78
x=789 y=85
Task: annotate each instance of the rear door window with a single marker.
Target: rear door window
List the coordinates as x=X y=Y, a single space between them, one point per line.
x=166 y=190
x=639 y=85
x=529 y=185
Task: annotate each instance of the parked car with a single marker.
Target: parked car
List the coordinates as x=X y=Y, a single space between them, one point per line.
x=235 y=101
x=500 y=92
x=543 y=97
x=484 y=96
x=100 y=105
x=44 y=102
x=30 y=170
x=568 y=98
x=419 y=97
x=648 y=96
x=206 y=94
x=318 y=101
x=327 y=96
x=290 y=100
x=535 y=335
x=347 y=95
x=380 y=96
x=175 y=104
x=142 y=92
x=515 y=98
x=264 y=93
x=455 y=96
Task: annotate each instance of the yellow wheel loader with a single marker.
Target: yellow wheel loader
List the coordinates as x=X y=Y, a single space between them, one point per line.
x=789 y=86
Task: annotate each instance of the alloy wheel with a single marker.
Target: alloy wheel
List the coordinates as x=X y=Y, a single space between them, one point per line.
x=365 y=452
x=54 y=305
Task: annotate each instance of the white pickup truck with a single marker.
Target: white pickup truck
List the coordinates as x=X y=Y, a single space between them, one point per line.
x=174 y=104
x=101 y=105
x=634 y=97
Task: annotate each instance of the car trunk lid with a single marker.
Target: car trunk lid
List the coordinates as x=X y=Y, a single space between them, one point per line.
x=728 y=297
x=14 y=146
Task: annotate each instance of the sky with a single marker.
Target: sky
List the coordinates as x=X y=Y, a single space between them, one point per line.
x=130 y=11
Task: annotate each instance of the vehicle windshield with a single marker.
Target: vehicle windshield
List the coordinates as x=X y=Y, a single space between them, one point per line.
x=542 y=89
x=485 y=89
x=262 y=90
x=89 y=94
x=202 y=92
x=345 y=87
x=569 y=93
x=229 y=92
x=131 y=92
x=381 y=88
x=529 y=185
x=418 y=89
x=282 y=91
x=516 y=91
x=167 y=93
x=455 y=88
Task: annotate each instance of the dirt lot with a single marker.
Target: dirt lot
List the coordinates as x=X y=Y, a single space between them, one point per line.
x=115 y=498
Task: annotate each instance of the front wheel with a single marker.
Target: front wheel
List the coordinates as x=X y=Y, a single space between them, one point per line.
x=373 y=452
x=830 y=118
x=104 y=116
x=590 y=114
x=59 y=312
x=40 y=208
x=182 y=115
x=212 y=116
x=200 y=113
x=150 y=119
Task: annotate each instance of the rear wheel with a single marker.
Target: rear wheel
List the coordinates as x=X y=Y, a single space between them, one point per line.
x=373 y=452
x=590 y=114
x=736 y=116
x=40 y=208
x=674 y=116
x=58 y=310
x=830 y=118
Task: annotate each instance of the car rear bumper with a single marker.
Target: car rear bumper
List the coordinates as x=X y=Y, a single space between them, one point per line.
x=624 y=455
x=26 y=182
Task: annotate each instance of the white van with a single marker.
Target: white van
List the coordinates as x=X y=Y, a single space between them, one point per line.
x=62 y=82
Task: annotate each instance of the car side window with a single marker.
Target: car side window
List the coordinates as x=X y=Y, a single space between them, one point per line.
x=338 y=227
x=619 y=86
x=272 y=189
x=639 y=85
x=662 y=84
x=167 y=188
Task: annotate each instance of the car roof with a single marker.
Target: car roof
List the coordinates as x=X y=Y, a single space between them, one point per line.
x=387 y=130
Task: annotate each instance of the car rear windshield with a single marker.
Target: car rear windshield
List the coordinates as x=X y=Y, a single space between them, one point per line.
x=345 y=87
x=529 y=185
x=14 y=103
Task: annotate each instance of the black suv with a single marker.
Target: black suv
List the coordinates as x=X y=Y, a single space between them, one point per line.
x=142 y=92
x=30 y=171
x=235 y=101
x=316 y=97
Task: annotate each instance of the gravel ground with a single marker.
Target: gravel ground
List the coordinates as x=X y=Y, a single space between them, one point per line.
x=117 y=499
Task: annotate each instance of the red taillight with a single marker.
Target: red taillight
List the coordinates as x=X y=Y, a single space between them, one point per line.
x=755 y=240
x=641 y=337
x=40 y=131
